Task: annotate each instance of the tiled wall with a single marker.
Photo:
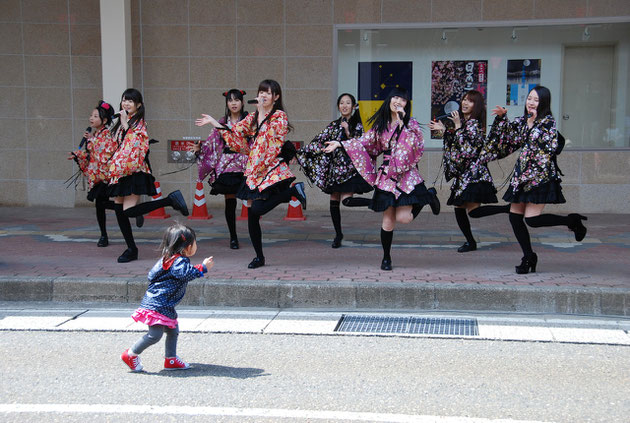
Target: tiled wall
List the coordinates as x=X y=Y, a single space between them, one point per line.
x=187 y=52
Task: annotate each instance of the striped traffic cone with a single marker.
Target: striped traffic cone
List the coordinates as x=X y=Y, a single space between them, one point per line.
x=294 y=212
x=244 y=210
x=157 y=213
x=200 y=211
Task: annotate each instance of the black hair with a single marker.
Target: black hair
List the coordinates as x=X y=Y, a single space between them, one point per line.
x=355 y=118
x=135 y=96
x=479 y=108
x=382 y=118
x=544 y=102
x=176 y=239
x=105 y=112
x=234 y=94
x=274 y=87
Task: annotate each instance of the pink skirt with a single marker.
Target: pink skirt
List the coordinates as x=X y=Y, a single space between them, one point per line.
x=152 y=318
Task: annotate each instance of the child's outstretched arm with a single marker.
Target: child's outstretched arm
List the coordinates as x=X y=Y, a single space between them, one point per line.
x=208 y=262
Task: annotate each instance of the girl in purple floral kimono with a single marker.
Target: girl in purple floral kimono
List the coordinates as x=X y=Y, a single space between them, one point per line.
x=535 y=180
x=399 y=189
x=334 y=172
x=463 y=144
x=221 y=165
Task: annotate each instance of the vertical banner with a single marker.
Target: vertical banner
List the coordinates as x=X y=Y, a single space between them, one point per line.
x=450 y=80
x=522 y=76
x=376 y=80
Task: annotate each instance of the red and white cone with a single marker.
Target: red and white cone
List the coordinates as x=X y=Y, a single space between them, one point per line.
x=294 y=212
x=200 y=211
x=157 y=213
x=244 y=211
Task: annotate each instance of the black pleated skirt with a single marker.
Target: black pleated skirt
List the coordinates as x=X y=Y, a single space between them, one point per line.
x=138 y=183
x=478 y=192
x=382 y=200
x=227 y=183
x=547 y=193
x=246 y=193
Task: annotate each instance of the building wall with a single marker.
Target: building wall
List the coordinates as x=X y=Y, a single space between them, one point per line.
x=187 y=52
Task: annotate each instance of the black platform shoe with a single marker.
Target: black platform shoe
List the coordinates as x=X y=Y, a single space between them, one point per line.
x=178 y=202
x=386 y=264
x=435 y=202
x=300 y=194
x=128 y=255
x=577 y=227
x=140 y=221
x=468 y=246
x=256 y=263
x=528 y=264
x=103 y=241
x=337 y=241
x=234 y=244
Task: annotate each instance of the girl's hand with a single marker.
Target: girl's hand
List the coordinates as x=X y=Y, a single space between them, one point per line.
x=499 y=111
x=195 y=147
x=436 y=125
x=208 y=262
x=207 y=119
x=456 y=119
x=71 y=155
x=87 y=135
x=344 y=125
x=331 y=146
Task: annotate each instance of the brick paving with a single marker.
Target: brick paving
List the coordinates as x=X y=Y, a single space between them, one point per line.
x=55 y=242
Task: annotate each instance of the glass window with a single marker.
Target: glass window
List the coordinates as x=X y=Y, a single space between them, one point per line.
x=586 y=67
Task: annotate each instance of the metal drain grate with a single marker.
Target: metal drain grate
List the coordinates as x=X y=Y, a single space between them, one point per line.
x=411 y=325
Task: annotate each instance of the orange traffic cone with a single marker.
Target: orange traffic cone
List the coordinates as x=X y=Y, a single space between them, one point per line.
x=244 y=210
x=200 y=211
x=157 y=213
x=294 y=212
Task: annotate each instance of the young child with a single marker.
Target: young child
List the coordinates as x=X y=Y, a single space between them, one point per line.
x=168 y=280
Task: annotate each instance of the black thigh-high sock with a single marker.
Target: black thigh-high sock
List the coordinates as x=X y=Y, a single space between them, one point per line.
x=147 y=207
x=255 y=232
x=230 y=216
x=464 y=224
x=386 y=242
x=547 y=220
x=521 y=233
x=484 y=211
x=125 y=227
x=335 y=215
x=262 y=207
x=357 y=202
x=103 y=204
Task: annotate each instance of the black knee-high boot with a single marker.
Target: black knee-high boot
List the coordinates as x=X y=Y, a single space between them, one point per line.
x=103 y=204
x=386 y=242
x=464 y=225
x=255 y=235
x=484 y=211
x=530 y=259
x=230 y=219
x=335 y=215
x=131 y=253
x=572 y=221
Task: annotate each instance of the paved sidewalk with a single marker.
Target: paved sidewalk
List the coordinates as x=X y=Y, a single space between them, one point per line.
x=50 y=254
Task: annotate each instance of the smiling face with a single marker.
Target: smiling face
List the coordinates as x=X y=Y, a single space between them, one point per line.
x=95 y=120
x=345 y=106
x=397 y=103
x=130 y=106
x=532 y=103
x=467 y=106
x=267 y=98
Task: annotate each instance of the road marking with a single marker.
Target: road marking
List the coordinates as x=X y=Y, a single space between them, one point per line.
x=243 y=412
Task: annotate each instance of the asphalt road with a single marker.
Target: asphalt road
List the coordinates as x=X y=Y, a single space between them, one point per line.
x=267 y=378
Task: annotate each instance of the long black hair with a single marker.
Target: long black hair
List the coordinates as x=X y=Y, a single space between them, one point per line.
x=544 y=102
x=355 y=118
x=105 y=112
x=274 y=87
x=234 y=94
x=383 y=117
x=176 y=239
x=479 y=109
x=135 y=96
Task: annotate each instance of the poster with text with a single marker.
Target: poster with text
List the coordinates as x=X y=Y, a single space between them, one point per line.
x=522 y=76
x=450 y=80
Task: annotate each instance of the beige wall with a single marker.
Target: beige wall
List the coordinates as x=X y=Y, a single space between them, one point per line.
x=186 y=52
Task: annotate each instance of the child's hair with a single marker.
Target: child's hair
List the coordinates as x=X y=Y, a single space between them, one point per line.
x=176 y=239
x=105 y=112
x=234 y=94
x=355 y=118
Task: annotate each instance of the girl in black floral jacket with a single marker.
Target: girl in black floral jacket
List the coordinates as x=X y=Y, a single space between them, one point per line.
x=535 y=180
x=463 y=145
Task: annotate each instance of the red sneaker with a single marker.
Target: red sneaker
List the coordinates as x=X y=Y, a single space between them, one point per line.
x=175 y=363
x=132 y=361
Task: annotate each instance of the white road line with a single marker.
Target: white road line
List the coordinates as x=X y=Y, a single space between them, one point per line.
x=242 y=412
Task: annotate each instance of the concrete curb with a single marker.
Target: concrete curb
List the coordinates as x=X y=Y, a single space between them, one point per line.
x=338 y=295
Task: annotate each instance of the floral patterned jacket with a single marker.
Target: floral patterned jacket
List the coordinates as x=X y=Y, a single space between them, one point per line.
x=401 y=173
x=94 y=163
x=132 y=150
x=462 y=152
x=213 y=160
x=325 y=170
x=264 y=167
x=535 y=165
